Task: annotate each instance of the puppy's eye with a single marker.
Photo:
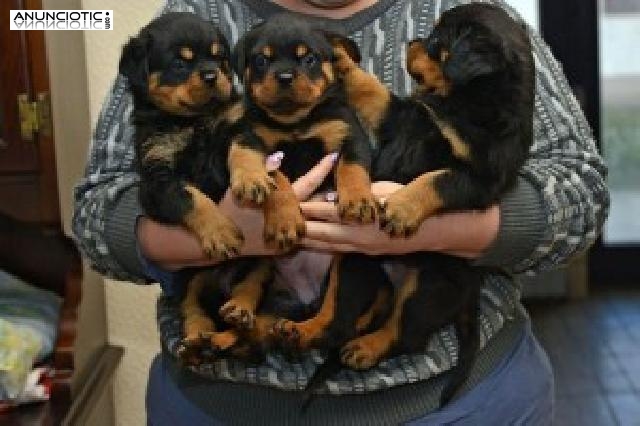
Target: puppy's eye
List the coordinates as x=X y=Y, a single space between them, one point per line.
x=309 y=60
x=261 y=61
x=178 y=64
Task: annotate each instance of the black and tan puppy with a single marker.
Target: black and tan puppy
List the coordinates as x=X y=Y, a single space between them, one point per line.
x=294 y=103
x=465 y=134
x=186 y=113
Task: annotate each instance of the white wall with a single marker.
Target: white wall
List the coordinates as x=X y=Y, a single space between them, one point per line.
x=130 y=308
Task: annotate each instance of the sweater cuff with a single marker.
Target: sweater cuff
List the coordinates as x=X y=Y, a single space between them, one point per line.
x=522 y=226
x=120 y=231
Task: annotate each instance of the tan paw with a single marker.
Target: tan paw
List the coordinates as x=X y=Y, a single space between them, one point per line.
x=401 y=215
x=238 y=313
x=284 y=226
x=293 y=336
x=356 y=207
x=219 y=236
x=252 y=186
x=366 y=351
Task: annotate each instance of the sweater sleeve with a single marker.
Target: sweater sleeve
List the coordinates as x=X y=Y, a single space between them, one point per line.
x=106 y=202
x=559 y=205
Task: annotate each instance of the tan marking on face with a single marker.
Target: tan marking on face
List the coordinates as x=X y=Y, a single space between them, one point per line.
x=186 y=53
x=164 y=147
x=215 y=48
x=179 y=98
x=301 y=50
x=271 y=137
x=331 y=132
x=420 y=64
x=327 y=70
x=267 y=51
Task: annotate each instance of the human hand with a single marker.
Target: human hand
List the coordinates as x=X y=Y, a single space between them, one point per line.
x=173 y=247
x=466 y=234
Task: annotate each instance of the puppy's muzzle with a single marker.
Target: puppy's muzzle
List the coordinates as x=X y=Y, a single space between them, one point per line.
x=285 y=78
x=209 y=74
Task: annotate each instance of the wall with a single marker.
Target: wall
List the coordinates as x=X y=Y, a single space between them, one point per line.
x=82 y=67
x=72 y=130
x=130 y=308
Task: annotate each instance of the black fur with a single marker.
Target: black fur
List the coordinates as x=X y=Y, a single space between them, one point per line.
x=490 y=105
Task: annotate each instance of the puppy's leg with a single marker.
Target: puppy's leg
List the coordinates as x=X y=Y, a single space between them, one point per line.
x=246 y=295
x=366 y=351
x=219 y=236
x=284 y=224
x=438 y=191
x=378 y=309
x=302 y=335
x=250 y=181
x=196 y=323
x=365 y=93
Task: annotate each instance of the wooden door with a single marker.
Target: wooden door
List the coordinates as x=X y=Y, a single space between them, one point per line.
x=28 y=180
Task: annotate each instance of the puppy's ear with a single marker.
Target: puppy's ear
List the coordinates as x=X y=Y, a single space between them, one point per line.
x=134 y=60
x=350 y=46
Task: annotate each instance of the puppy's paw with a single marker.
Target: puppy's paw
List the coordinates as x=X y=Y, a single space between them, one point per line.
x=252 y=186
x=239 y=314
x=284 y=226
x=192 y=351
x=293 y=337
x=403 y=212
x=356 y=207
x=365 y=352
x=219 y=236
x=342 y=62
x=221 y=341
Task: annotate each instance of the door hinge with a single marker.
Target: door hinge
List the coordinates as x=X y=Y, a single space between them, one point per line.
x=35 y=116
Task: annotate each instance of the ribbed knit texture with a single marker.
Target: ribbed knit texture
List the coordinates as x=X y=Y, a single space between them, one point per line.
x=555 y=211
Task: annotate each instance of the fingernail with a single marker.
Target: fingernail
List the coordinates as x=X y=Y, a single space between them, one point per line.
x=334 y=156
x=331 y=196
x=274 y=160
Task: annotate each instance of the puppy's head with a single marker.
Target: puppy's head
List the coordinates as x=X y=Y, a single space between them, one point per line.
x=179 y=63
x=468 y=44
x=286 y=67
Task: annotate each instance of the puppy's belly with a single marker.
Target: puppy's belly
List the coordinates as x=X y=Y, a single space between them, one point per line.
x=303 y=274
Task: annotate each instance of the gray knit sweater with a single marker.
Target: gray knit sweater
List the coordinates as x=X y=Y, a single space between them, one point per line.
x=556 y=210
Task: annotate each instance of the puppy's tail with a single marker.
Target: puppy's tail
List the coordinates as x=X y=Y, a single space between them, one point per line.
x=329 y=368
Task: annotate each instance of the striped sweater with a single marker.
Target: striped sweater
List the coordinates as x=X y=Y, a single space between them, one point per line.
x=555 y=211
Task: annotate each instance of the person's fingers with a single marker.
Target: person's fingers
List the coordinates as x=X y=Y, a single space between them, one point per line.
x=339 y=233
x=274 y=160
x=320 y=210
x=306 y=185
x=327 y=247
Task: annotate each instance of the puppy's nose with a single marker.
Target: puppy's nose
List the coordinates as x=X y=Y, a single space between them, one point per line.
x=208 y=76
x=285 y=78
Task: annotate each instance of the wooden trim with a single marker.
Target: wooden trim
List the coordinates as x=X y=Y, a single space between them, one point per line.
x=96 y=383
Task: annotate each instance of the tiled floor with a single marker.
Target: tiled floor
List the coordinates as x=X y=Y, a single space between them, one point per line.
x=594 y=346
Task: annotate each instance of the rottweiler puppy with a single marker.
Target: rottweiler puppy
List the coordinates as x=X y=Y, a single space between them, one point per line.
x=294 y=103
x=465 y=134
x=185 y=114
